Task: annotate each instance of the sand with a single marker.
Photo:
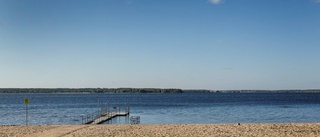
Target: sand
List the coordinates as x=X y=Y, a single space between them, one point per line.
x=183 y=130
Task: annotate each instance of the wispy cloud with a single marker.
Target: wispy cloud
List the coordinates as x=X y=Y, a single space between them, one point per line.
x=217 y=1
x=316 y=1
x=129 y=2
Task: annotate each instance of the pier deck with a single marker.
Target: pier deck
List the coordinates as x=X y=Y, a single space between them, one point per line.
x=107 y=117
x=104 y=115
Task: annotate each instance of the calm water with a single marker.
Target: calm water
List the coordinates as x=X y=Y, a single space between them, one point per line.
x=164 y=108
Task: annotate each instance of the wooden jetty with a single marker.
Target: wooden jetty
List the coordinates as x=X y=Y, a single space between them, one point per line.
x=104 y=114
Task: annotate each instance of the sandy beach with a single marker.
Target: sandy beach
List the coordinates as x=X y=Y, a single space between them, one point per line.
x=183 y=130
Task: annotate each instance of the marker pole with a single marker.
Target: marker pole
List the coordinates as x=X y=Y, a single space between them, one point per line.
x=26 y=114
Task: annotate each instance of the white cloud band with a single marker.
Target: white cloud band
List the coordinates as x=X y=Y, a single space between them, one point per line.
x=215 y=1
x=316 y=1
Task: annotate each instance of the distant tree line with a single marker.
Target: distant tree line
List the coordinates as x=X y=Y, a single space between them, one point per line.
x=251 y=91
x=89 y=90
x=142 y=90
x=268 y=91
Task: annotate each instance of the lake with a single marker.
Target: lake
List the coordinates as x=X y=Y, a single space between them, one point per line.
x=184 y=108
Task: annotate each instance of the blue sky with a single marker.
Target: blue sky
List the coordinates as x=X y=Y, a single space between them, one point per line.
x=188 y=44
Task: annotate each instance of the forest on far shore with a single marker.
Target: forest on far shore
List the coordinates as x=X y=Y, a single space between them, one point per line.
x=89 y=90
x=142 y=90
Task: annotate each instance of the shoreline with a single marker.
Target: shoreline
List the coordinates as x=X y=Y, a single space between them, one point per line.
x=244 y=129
x=145 y=90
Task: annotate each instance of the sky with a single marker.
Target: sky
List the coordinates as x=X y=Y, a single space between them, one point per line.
x=187 y=44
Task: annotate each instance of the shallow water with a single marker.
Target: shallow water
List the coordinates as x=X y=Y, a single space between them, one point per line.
x=183 y=108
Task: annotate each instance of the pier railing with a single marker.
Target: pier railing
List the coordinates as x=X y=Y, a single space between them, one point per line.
x=104 y=114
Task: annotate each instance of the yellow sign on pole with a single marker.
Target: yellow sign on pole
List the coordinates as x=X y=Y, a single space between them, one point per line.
x=26 y=101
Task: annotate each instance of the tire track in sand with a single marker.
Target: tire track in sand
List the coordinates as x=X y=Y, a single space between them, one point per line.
x=59 y=131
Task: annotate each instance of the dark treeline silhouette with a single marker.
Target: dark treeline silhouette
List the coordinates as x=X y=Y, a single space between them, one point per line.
x=251 y=91
x=89 y=90
x=142 y=90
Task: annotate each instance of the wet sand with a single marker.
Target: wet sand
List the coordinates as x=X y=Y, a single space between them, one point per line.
x=183 y=130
